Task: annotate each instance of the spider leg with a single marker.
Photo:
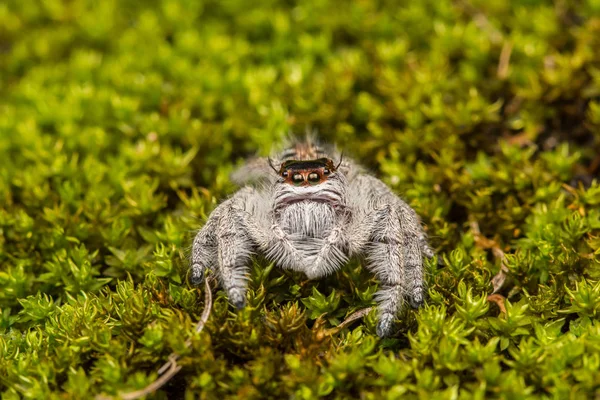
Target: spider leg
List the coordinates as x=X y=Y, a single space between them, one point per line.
x=331 y=255
x=395 y=249
x=412 y=241
x=233 y=255
x=385 y=258
x=204 y=250
x=274 y=243
x=425 y=248
x=224 y=241
x=348 y=237
x=395 y=257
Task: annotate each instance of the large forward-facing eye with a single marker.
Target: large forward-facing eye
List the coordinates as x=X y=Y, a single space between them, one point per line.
x=313 y=177
x=297 y=179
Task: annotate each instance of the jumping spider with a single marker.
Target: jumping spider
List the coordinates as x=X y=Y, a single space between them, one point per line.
x=304 y=211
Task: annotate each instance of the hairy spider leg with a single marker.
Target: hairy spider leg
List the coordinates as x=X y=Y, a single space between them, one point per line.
x=232 y=251
x=348 y=238
x=273 y=242
x=394 y=252
x=204 y=250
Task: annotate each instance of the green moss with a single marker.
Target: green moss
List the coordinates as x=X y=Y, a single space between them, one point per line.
x=120 y=122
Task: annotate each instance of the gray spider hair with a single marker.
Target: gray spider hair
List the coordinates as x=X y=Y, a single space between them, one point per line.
x=309 y=209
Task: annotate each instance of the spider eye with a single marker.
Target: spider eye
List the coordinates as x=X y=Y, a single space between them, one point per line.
x=284 y=174
x=297 y=178
x=313 y=177
x=326 y=171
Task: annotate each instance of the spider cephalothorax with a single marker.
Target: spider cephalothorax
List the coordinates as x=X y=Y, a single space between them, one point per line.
x=310 y=214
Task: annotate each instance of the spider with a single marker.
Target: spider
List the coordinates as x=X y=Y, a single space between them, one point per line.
x=309 y=209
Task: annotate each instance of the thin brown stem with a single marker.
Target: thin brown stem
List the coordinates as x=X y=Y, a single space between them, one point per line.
x=170 y=368
x=485 y=243
x=352 y=317
x=504 y=61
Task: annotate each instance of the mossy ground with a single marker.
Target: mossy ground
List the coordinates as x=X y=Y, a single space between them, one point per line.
x=120 y=122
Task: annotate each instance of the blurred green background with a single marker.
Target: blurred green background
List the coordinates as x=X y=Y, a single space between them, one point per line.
x=120 y=122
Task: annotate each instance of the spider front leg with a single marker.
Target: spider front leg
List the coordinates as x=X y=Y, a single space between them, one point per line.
x=331 y=255
x=224 y=243
x=275 y=244
x=348 y=236
x=234 y=249
x=394 y=255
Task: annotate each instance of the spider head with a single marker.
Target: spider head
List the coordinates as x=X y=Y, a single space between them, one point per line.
x=318 y=180
x=306 y=172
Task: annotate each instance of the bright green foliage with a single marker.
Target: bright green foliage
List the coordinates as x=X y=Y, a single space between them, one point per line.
x=121 y=120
